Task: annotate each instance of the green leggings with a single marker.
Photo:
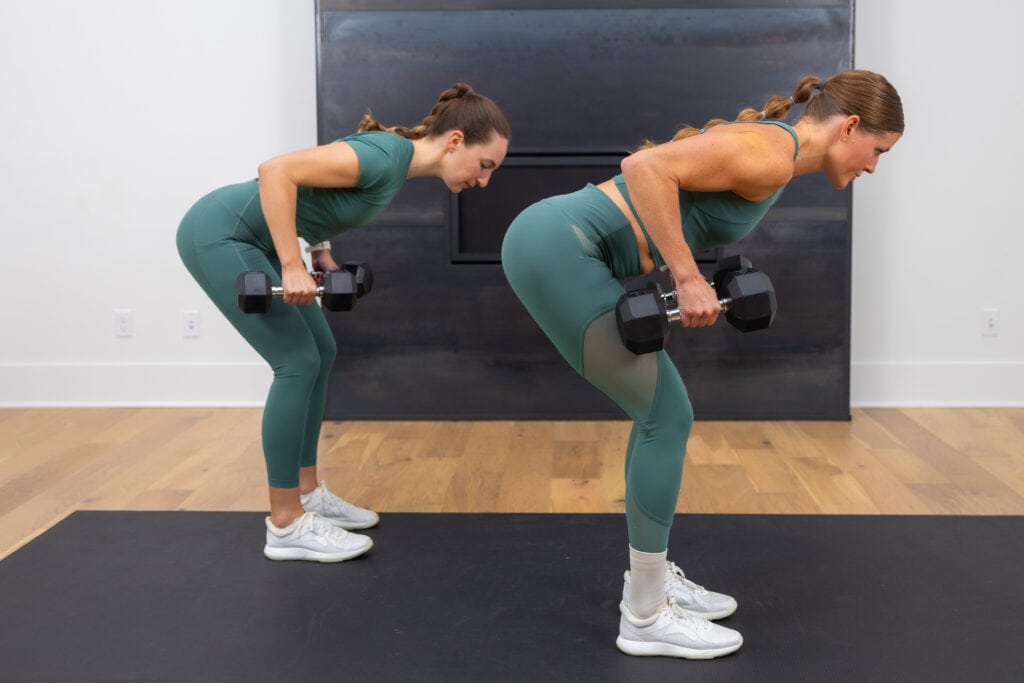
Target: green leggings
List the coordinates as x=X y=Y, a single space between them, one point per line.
x=562 y=257
x=296 y=341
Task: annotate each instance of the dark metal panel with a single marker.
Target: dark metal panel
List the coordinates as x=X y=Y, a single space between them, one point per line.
x=438 y=340
x=397 y=5
x=583 y=81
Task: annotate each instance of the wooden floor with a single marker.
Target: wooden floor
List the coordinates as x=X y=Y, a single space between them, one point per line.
x=884 y=461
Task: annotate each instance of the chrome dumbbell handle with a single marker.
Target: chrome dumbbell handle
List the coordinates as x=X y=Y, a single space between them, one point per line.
x=675 y=314
x=279 y=291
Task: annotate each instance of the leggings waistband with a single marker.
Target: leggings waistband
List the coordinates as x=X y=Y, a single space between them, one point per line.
x=596 y=215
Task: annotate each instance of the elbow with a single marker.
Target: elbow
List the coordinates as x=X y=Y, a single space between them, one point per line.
x=628 y=166
x=635 y=165
x=264 y=169
x=268 y=168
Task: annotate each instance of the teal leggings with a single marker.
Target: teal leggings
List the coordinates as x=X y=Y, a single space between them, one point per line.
x=562 y=257
x=215 y=246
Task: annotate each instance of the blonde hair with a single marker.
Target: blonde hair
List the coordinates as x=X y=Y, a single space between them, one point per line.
x=457 y=108
x=854 y=91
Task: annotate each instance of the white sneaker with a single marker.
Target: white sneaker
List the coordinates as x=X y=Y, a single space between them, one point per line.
x=336 y=511
x=674 y=632
x=690 y=596
x=311 y=537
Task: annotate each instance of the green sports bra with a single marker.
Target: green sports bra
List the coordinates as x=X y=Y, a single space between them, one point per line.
x=711 y=219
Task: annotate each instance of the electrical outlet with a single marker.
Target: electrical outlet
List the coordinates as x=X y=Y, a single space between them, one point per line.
x=190 y=323
x=123 y=322
x=990 y=321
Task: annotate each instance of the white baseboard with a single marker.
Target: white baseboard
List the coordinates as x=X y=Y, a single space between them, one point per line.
x=245 y=384
x=133 y=384
x=958 y=384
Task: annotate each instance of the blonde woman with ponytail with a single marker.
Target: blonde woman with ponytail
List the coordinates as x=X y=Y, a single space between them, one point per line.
x=314 y=194
x=705 y=188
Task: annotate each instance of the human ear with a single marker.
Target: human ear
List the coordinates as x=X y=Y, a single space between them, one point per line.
x=455 y=140
x=849 y=126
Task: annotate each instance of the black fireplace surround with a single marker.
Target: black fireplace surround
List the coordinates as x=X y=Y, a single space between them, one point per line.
x=582 y=83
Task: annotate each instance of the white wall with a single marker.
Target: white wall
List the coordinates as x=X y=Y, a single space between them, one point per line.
x=937 y=230
x=116 y=115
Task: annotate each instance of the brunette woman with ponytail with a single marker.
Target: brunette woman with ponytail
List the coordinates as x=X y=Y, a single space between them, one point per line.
x=314 y=194
x=705 y=188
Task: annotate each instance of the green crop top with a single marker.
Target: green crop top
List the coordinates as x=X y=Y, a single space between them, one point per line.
x=322 y=212
x=711 y=219
x=384 y=160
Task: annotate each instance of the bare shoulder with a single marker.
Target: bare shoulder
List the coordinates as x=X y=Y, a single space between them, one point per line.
x=760 y=157
x=752 y=160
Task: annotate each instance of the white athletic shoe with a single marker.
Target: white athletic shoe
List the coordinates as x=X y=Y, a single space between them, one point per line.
x=311 y=537
x=337 y=511
x=691 y=596
x=674 y=632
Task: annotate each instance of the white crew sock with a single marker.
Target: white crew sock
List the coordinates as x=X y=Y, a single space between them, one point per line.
x=646 y=582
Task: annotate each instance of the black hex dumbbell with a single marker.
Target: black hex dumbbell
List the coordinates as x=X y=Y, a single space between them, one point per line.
x=338 y=290
x=745 y=294
x=750 y=293
x=363 y=275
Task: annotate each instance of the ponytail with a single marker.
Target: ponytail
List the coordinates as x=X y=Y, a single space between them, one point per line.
x=864 y=93
x=457 y=108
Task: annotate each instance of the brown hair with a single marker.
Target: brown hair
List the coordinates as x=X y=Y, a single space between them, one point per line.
x=854 y=91
x=457 y=108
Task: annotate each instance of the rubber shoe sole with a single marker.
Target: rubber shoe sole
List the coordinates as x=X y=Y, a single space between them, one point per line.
x=272 y=553
x=645 y=649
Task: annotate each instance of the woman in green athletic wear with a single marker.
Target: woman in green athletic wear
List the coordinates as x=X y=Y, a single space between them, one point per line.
x=256 y=225
x=705 y=188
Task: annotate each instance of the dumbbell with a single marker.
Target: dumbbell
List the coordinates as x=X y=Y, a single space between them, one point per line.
x=338 y=290
x=746 y=295
x=363 y=275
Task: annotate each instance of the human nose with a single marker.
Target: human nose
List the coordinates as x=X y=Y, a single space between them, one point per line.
x=483 y=179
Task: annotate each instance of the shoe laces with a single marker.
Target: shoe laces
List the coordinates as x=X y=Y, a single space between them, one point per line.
x=677 y=575
x=316 y=524
x=680 y=613
x=331 y=502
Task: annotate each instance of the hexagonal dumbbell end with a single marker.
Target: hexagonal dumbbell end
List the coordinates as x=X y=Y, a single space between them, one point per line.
x=363 y=275
x=643 y=324
x=728 y=266
x=339 y=291
x=254 y=292
x=753 y=304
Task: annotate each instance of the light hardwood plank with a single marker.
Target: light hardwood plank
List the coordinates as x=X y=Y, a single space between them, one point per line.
x=883 y=461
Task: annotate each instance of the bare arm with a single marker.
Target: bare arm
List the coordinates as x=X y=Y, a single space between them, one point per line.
x=333 y=165
x=753 y=164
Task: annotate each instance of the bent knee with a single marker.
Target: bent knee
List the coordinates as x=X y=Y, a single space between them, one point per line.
x=299 y=364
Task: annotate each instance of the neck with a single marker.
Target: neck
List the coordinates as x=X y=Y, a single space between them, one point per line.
x=814 y=143
x=426 y=157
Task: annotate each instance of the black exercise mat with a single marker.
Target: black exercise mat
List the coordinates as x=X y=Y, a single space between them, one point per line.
x=187 y=596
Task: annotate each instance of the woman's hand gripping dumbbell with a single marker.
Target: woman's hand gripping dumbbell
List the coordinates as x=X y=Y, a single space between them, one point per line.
x=338 y=289
x=746 y=295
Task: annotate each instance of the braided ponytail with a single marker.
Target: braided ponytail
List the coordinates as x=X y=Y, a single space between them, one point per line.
x=853 y=91
x=777 y=107
x=457 y=108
